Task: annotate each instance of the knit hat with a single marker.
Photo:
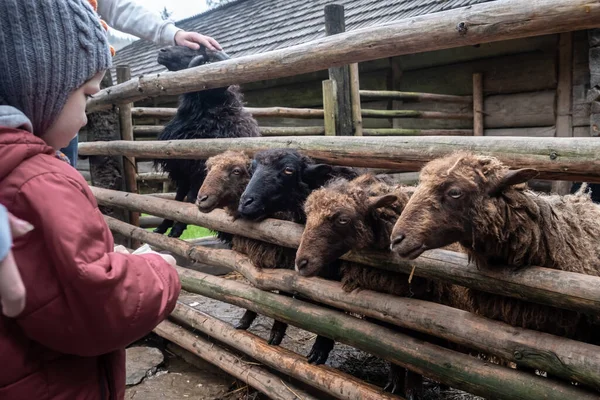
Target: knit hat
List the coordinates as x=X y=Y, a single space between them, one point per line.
x=48 y=48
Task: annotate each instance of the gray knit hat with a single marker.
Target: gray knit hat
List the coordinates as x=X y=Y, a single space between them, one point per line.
x=48 y=48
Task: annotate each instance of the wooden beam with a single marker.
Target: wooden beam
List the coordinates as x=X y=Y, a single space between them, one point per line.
x=368 y=113
x=539 y=285
x=394 y=84
x=159 y=112
x=564 y=102
x=254 y=375
x=455 y=369
x=283 y=112
x=126 y=124
x=357 y=123
x=481 y=23
x=329 y=106
x=414 y=96
x=478 y=104
x=555 y=355
x=328 y=380
x=555 y=158
x=334 y=25
x=154 y=130
x=416 y=132
x=152 y=176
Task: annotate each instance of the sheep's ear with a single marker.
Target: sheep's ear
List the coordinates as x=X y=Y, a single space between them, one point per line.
x=196 y=61
x=381 y=201
x=316 y=173
x=514 y=177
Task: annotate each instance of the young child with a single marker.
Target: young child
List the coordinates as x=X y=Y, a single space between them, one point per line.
x=84 y=302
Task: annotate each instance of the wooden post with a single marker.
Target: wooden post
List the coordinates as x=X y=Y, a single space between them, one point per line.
x=478 y=104
x=564 y=101
x=126 y=122
x=106 y=171
x=329 y=107
x=334 y=24
x=394 y=80
x=355 y=97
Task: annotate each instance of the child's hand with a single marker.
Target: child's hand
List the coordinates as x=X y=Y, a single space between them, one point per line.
x=121 y=249
x=193 y=40
x=145 y=249
x=168 y=258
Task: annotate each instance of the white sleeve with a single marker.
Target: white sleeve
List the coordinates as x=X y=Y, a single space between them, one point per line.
x=131 y=17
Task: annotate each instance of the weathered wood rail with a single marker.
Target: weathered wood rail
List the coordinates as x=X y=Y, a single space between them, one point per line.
x=558 y=356
x=482 y=23
x=555 y=158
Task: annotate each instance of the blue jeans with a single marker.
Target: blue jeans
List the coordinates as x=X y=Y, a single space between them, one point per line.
x=71 y=151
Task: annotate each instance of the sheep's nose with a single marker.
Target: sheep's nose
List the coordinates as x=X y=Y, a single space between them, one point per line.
x=396 y=241
x=163 y=50
x=301 y=264
x=202 y=199
x=247 y=201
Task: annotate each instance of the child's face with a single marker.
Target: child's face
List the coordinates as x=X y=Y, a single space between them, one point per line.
x=72 y=117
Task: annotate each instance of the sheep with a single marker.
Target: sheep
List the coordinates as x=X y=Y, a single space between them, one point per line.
x=281 y=181
x=227 y=176
x=212 y=113
x=359 y=214
x=476 y=201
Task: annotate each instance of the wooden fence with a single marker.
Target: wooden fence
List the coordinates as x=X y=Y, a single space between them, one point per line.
x=555 y=158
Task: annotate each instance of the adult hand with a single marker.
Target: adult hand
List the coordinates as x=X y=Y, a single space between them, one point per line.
x=193 y=40
x=12 y=290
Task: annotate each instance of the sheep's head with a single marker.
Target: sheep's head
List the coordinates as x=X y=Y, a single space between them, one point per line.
x=452 y=191
x=281 y=181
x=339 y=219
x=227 y=176
x=176 y=58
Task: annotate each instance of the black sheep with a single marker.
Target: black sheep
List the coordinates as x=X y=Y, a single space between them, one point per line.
x=281 y=181
x=208 y=114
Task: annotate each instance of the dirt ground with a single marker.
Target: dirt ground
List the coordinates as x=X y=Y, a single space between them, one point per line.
x=177 y=379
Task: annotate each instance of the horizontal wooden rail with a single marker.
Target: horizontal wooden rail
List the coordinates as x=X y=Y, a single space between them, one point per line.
x=413 y=96
x=152 y=176
x=329 y=380
x=255 y=376
x=367 y=113
x=275 y=112
x=558 y=356
x=416 y=132
x=155 y=130
x=481 y=23
x=555 y=158
x=452 y=368
x=540 y=285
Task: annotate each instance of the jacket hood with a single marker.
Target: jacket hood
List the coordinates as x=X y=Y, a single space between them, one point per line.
x=17 y=143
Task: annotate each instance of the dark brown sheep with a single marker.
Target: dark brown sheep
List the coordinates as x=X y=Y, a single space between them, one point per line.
x=360 y=214
x=476 y=201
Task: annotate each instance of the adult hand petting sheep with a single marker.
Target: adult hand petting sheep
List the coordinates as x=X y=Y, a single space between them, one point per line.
x=12 y=290
x=194 y=40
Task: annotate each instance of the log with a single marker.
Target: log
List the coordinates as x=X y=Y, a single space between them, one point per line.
x=150 y=222
x=255 y=376
x=555 y=158
x=414 y=114
x=328 y=380
x=286 y=112
x=455 y=369
x=357 y=123
x=335 y=24
x=126 y=124
x=413 y=96
x=155 y=130
x=168 y=196
x=558 y=356
x=329 y=106
x=540 y=285
x=481 y=23
x=157 y=112
x=564 y=102
x=478 y=104
x=152 y=176
x=416 y=132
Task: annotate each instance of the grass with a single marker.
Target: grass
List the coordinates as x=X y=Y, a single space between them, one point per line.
x=192 y=231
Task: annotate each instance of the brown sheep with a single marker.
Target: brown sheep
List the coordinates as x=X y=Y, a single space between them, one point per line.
x=360 y=214
x=476 y=201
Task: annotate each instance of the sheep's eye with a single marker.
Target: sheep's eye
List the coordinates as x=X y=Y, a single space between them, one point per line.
x=236 y=171
x=455 y=193
x=288 y=171
x=343 y=220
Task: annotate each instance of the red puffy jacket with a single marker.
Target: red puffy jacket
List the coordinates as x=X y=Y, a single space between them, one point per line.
x=85 y=303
